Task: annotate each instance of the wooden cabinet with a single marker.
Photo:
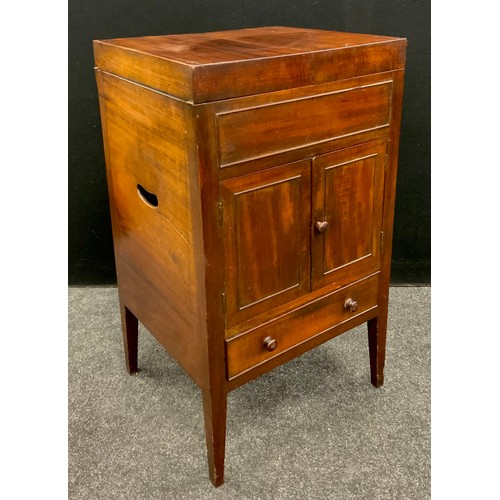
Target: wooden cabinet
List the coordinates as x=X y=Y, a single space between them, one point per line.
x=252 y=177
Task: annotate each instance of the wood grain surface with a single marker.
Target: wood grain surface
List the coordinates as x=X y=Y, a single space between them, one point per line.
x=204 y=67
x=224 y=152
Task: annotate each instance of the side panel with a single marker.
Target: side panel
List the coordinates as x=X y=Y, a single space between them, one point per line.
x=150 y=143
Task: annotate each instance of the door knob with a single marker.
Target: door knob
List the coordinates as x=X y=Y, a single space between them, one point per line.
x=322 y=226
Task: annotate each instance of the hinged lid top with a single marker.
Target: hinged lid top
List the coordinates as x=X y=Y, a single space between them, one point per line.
x=210 y=66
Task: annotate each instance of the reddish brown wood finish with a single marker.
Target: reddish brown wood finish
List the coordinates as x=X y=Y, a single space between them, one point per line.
x=223 y=151
x=348 y=190
x=247 y=350
x=276 y=127
x=212 y=66
x=266 y=215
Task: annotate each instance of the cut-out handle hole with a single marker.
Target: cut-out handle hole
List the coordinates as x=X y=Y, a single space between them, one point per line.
x=147 y=197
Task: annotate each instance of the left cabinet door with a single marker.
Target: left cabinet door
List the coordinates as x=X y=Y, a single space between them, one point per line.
x=266 y=225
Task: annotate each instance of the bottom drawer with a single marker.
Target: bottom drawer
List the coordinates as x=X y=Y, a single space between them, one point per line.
x=271 y=339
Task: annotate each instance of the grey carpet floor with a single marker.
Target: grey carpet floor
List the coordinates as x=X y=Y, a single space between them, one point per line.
x=313 y=428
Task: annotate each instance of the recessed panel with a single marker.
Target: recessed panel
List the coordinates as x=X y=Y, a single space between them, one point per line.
x=349 y=207
x=266 y=230
x=267 y=239
x=348 y=198
x=269 y=129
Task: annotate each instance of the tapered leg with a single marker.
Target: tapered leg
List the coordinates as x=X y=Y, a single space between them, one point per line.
x=214 y=406
x=377 y=330
x=130 y=330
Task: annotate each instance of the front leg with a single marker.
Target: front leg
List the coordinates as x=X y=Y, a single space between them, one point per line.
x=214 y=406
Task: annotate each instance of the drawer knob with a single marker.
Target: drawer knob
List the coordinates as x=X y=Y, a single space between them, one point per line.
x=350 y=304
x=322 y=227
x=270 y=344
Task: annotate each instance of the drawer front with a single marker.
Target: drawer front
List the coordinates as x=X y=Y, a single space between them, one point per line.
x=249 y=349
x=273 y=128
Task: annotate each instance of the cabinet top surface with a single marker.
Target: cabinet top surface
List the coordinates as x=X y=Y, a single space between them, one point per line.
x=267 y=56
x=196 y=49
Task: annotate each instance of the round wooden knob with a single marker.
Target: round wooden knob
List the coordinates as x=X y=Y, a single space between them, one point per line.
x=322 y=226
x=350 y=304
x=270 y=344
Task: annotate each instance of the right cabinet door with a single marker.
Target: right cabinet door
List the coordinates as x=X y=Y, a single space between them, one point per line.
x=348 y=193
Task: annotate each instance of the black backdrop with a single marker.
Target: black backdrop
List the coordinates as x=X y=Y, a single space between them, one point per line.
x=90 y=251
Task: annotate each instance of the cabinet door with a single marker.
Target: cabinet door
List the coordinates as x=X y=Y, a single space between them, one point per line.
x=266 y=224
x=348 y=192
